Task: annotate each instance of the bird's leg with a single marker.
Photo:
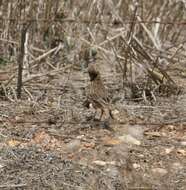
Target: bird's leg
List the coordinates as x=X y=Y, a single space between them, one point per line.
x=102 y=111
x=94 y=115
x=105 y=122
x=97 y=117
x=110 y=114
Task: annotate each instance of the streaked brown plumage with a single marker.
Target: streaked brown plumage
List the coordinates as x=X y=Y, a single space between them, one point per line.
x=97 y=93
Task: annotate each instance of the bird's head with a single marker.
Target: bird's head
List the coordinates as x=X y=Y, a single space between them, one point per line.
x=93 y=72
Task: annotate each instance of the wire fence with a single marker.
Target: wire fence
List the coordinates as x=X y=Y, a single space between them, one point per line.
x=71 y=20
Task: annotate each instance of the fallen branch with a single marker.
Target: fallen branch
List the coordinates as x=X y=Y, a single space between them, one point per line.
x=13 y=185
x=16 y=43
x=44 y=55
x=50 y=73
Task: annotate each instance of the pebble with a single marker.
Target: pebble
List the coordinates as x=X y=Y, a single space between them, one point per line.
x=177 y=166
x=73 y=145
x=136 y=166
x=183 y=143
x=129 y=139
x=159 y=171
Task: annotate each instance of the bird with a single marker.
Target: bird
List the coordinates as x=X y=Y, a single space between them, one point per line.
x=97 y=93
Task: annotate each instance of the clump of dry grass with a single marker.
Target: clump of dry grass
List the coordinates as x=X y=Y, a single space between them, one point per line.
x=143 y=39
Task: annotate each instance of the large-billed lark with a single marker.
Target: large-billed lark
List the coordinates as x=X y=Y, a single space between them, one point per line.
x=97 y=94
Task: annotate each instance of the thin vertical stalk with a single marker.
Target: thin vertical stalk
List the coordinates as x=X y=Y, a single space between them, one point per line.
x=20 y=60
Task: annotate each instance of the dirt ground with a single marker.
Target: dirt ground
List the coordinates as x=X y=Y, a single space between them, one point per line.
x=53 y=144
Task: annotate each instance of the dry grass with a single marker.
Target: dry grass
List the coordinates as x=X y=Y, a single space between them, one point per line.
x=138 y=39
x=46 y=138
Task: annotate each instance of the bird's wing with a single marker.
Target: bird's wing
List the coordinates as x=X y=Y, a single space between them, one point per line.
x=97 y=93
x=96 y=98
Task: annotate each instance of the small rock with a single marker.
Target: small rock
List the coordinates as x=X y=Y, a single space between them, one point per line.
x=80 y=137
x=113 y=171
x=182 y=152
x=18 y=119
x=2 y=166
x=136 y=131
x=153 y=134
x=177 y=166
x=183 y=143
x=163 y=134
x=129 y=139
x=136 y=166
x=169 y=150
x=112 y=142
x=103 y=163
x=89 y=145
x=159 y=171
x=13 y=143
x=141 y=156
x=171 y=127
x=99 y=163
x=73 y=145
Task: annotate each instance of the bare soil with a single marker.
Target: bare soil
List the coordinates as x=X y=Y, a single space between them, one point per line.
x=53 y=144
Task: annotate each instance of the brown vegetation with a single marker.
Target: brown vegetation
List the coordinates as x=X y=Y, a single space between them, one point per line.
x=46 y=140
